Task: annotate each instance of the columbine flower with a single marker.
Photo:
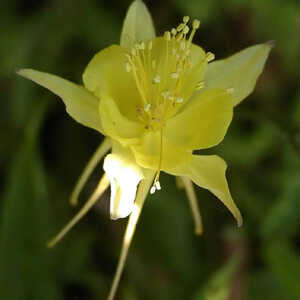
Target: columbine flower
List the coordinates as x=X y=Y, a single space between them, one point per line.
x=156 y=99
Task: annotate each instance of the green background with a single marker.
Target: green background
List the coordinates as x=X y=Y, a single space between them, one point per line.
x=42 y=153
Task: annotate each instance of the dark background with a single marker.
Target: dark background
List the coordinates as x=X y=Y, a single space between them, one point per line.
x=42 y=153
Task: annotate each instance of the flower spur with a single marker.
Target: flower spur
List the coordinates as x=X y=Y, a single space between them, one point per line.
x=156 y=99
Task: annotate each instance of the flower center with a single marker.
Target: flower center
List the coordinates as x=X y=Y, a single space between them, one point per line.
x=161 y=81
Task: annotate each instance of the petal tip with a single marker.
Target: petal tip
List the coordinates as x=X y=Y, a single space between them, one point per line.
x=239 y=220
x=21 y=72
x=198 y=231
x=271 y=43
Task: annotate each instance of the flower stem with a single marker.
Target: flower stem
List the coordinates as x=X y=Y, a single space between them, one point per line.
x=130 y=229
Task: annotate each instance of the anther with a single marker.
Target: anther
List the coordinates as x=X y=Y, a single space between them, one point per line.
x=147 y=107
x=152 y=190
x=174 y=31
x=180 y=27
x=156 y=79
x=179 y=100
x=165 y=94
x=196 y=24
x=186 y=29
x=210 y=56
x=157 y=185
x=186 y=19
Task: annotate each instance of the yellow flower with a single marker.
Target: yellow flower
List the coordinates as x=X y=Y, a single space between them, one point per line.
x=156 y=99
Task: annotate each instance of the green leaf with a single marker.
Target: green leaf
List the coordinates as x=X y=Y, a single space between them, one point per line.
x=26 y=266
x=138 y=25
x=283 y=220
x=220 y=284
x=285 y=265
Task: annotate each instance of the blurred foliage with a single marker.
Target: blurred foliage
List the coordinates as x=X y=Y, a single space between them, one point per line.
x=42 y=153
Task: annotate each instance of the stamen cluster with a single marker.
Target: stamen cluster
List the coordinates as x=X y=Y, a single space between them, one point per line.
x=160 y=79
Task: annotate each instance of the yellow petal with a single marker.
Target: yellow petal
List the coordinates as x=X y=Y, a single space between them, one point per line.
x=147 y=152
x=138 y=25
x=203 y=122
x=240 y=71
x=106 y=74
x=81 y=105
x=116 y=125
x=208 y=171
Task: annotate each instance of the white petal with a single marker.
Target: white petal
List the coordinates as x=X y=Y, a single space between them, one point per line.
x=124 y=175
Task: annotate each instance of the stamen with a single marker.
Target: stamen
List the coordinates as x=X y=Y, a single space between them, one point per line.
x=182 y=45
x=152 y=190
x=150 y=45
x=196 y=24
x=174 y=31
x=186 y=29
x=179 y=37
x=180 y=27
x=186 y=19
x=210 y=56
x=165 y=94
x=156 y=79
x=157 y=185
